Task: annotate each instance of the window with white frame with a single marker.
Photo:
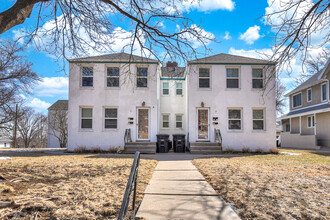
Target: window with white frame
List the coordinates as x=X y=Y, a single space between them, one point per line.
x=324 y=92
x=110 y=118
x=166 y=120
x=296 y=100
x=87 y=76
x=257 y=78
x=166 y=89
x=258 y=119
x=113 y=77
x=204 y=78
x=179 y=88
x=142 y=77
x=86 y=118
x=232 y=78
x=310 y=121
x=234 y=119
x=178 y=121
x=309 y=95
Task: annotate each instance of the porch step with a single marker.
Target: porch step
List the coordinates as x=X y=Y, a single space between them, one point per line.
x=205 y=148
x=143 y=147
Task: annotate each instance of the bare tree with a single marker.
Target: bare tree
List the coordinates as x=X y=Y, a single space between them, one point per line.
x=77 y=26
x=58 y=125
x=280 y=99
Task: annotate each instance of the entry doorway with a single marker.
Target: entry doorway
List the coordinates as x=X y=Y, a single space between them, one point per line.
x=203 y=124
x=143 y=119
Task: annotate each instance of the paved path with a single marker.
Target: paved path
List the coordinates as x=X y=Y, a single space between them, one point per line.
x=177 y=190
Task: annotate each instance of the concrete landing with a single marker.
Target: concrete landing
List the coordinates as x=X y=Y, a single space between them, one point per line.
x=177 y=190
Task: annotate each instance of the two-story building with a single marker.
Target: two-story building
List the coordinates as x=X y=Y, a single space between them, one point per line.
x=111 y=94
x=307 y=125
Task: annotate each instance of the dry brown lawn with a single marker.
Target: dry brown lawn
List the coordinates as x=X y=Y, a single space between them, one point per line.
x=67 y=186
x=272 y=186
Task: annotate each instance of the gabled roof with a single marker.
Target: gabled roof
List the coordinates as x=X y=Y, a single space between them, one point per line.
x=172 y=72
x=313 y=80
x=230 y=59
x=59 y=105
x=121 y=57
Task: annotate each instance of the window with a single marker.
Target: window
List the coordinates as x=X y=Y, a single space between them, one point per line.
x=234 y=119
x=178 y=121
x=142 y=77
x=166 y=90
x=204 y=78
x=179 y=88
x=310 y=121
x=287 y=127
x=110 y=118
x=232 y=78
x=309 y=95
x=258 y=119
x=166 y=121
x=86 y=118
x=113 y=77
x=324 y=92
x=87 y=77
x=296 y=100
x=257 y=79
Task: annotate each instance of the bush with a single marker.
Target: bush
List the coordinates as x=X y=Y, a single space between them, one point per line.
x=96 y=150
x=80 y=150
x=259 y=151
x=274 y=151
x=229 y=151
x=246 y=150
x=114 y=150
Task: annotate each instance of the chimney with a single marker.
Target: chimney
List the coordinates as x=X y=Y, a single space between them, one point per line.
x=171 y=64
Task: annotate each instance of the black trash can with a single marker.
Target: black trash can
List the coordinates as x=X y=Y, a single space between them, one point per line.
x=162 y=143
x=179 y=143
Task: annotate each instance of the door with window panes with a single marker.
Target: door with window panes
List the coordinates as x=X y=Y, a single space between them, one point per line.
x=143 y=124
x=203 y=124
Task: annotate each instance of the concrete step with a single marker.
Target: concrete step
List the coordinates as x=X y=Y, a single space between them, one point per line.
x=142 y=147
x=206 y=151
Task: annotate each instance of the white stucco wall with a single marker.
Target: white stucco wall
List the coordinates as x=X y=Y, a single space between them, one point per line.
x=173 y=105
x=126 y=98
x=5 y=144
x=218 y=99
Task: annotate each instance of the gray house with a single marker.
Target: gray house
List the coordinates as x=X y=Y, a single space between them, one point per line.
x=307 y=125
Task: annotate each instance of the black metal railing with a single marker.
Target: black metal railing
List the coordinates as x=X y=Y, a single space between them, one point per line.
x=127 y=136
x=217 y=137
x=131 y=185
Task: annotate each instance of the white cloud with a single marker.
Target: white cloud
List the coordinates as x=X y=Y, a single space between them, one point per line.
x=38 y=104
x=195 y=43
x=251 y=34
x=227 y=35
x=200 y=5
x=52 y=87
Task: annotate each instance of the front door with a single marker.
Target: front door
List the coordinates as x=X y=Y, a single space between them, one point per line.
x=203 y=124
x=143 y=124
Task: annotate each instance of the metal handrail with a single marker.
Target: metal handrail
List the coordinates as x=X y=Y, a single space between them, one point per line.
x=218 y=135
x=127 y=136
x=132 y=182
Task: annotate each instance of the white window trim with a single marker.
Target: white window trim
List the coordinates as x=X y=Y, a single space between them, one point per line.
x=169 y=119
x=262 y=78
x=310 y=89
x=300 y=100
x=235 y=130
x=312 y=124
x=106 y=77
x=239 y=77
x=81 y=77
x=165 y=88
x=210 y=78
x=103 y=116
x=80 y=118
x=326 y=91
x=147 y=77
x=179 y=88
x=179 y=121
x=264 y=119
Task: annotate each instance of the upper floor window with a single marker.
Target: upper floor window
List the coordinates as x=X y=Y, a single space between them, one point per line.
x=142 y=77
x=310 y=121
x=110 y=118
x=234 y=119
x=309 y=95
x=258 y=119
x=296 y=100
x=204 y=78
x=257 y=79
x=232 y=78
x=179 y=88
x=113 y=77
x=178 y=121
x=166 y=90
x=324 y=92
x=166 y=120
x=86 y=118
x=87 y=77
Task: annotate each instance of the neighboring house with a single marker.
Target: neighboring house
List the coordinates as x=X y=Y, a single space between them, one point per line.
x=56 y=123
x=112 y=93
x=5 y=142
x=307 y=125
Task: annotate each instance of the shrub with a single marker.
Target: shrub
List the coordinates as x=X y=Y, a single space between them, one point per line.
x=229 y=151
x=246 y=150
x=259 y=151
x=80 y=150
x=274 y=151
x=96 y=150
x=114 y=150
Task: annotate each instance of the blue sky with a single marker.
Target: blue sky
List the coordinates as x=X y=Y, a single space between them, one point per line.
x=236 y=25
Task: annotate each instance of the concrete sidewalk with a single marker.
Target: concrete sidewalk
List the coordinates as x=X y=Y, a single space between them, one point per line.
x=177 y=190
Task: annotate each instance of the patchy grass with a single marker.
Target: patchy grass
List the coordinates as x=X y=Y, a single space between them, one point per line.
x=67 y=186
x=272 y=186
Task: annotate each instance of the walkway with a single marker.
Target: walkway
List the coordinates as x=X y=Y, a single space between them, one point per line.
x=178 y=191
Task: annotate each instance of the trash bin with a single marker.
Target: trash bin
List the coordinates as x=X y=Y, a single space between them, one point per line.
x=162 y=143
x=179 y=143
